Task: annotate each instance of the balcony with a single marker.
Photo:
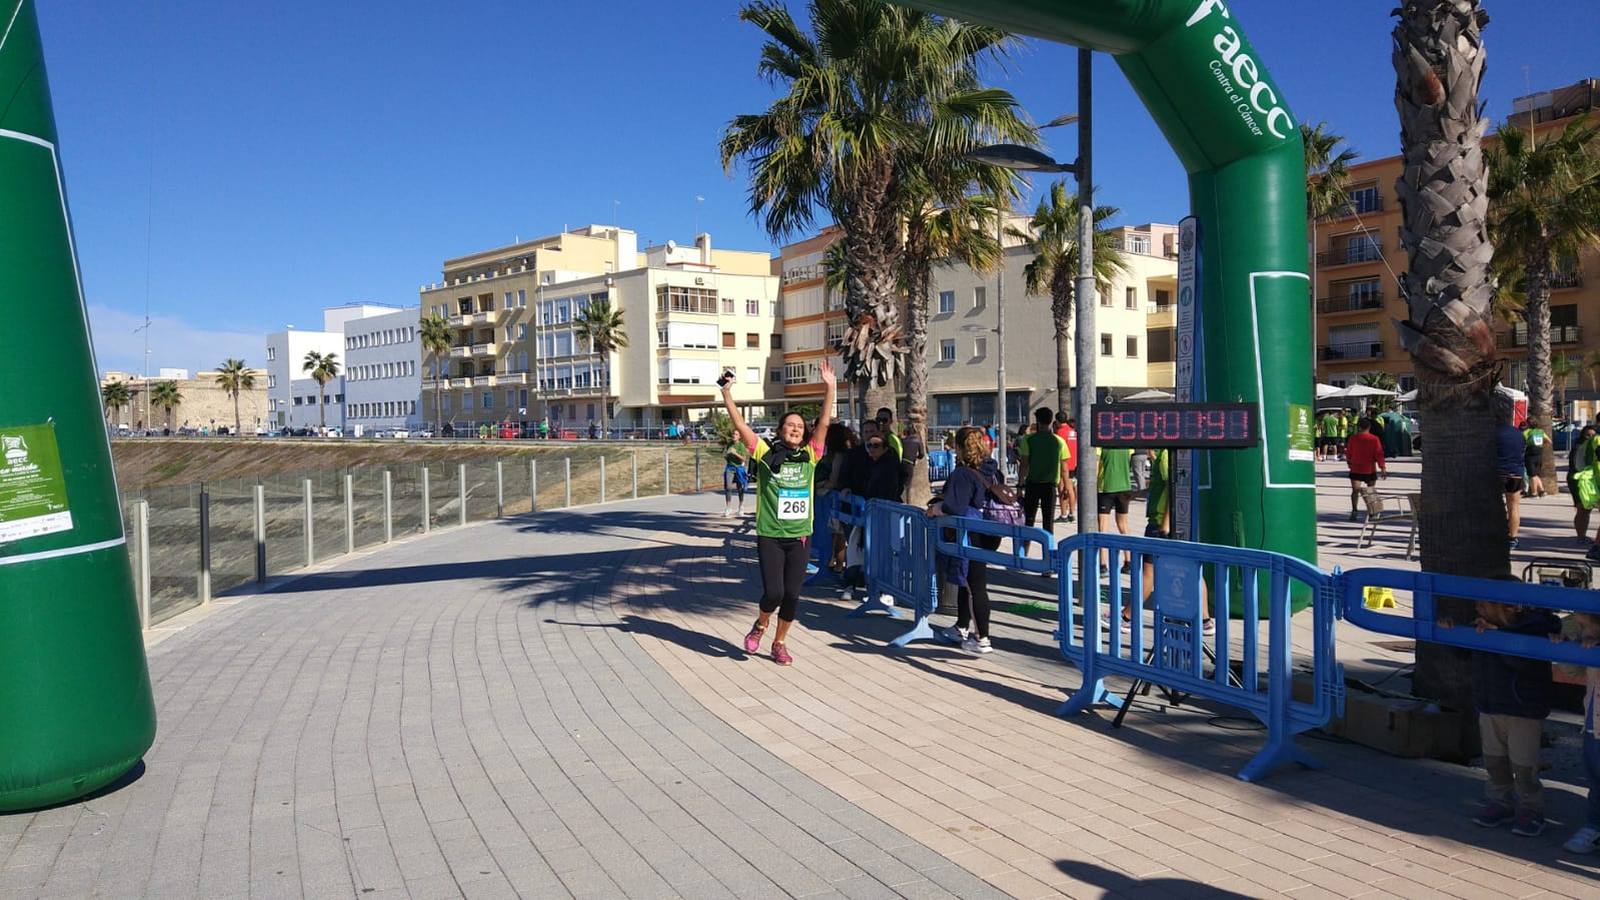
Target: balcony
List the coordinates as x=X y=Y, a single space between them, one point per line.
x=1352 y=303
x=510 y=378
x=484 y=349
x=1349 y=351
x=1561 y=281
x=1360 y=251
x=804 y=273
x=1356 y=207
x=1560 y=335
x=461 y=351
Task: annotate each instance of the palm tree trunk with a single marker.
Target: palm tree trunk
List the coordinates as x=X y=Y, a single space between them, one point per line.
x=322 y=410
x=1541 y=379
x=237 y=430
x=438 y=403
x=1439 y=64
x=920 y=283
x=605 y=391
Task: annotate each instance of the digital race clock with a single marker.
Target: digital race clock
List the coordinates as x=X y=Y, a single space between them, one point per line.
x=1175 y=425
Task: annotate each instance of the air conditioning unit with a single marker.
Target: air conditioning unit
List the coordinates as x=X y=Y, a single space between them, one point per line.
x=699 y=281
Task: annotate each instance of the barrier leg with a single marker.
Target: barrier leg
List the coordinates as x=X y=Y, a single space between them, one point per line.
x=1093 y=690
x=1281 y=749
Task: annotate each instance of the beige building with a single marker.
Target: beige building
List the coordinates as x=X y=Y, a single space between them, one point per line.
x=962 y=344
x=1357 y=255
x=689 y=313
x=205 y=404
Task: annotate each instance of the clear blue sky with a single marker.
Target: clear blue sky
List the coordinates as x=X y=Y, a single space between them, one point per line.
x=276 y=158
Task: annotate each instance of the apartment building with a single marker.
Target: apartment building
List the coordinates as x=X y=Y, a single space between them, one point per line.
x=689 y=312
x=489 y=374
x=1357 y=256
x=382 y=372
x=963 y=318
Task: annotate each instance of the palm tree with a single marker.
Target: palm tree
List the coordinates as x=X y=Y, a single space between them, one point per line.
x=1562 y=368
x=859 y=85
x=114 y=395
x=1591 y=365
x=235 y=378
x=1544 y=208
x=602 y=327
x=324 y=367
x=1383 y=381
x=166 y=395
x=436 y=340
x=1327 y=191
x=1443 y=190
x=1052 y=236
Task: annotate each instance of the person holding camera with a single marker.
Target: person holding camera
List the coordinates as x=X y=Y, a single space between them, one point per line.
x=785 y=470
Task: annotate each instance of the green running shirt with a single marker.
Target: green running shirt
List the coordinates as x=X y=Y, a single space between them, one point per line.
x=784 y=501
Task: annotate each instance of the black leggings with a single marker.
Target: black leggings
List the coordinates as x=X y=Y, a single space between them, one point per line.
x=1039 y=498
x=972 y=601
x=783 y=570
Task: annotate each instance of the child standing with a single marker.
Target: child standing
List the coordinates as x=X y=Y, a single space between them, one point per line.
x=1587 y=838
x=1512 y=695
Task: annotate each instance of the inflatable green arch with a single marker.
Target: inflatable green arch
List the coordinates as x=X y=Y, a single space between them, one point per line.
x=75 y=706
x=1231 y=127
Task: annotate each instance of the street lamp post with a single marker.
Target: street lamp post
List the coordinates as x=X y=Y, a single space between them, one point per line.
x=1088 y=466
x=1026 y=159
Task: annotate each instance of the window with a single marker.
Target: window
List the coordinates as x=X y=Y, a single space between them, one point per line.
x=727 y=306
x=727 y=339
x=777 y=309
x=522 y=299
x=661 y=337
x=272 y=354
x=980 y=348
x=488 y=399
x=1159 y=345
x=752 y=341
x=794 y=373
x=836 y=331
x=1139 y=243
x=752 y=375
x=1163 y=298
x=979 y=297
x=947 y=411
x=1132 y=299
x=947 y=350
x=466 y=401
x=1105 y=298
x=1105 y=345
x=752 y=307
x=672 y=298
x=272 y=381
x=1133 y=346
x=1366 y=199
x=777 y=376
x=777 y=342
x=947 y=302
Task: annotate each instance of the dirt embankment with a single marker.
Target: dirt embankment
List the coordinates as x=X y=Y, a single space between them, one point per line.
x=156 y=462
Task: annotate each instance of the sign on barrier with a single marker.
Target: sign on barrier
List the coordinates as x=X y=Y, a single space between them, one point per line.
x=1244 y=671
x=1424 y=624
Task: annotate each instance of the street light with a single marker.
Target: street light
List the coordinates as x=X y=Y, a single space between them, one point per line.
x=1026 y=159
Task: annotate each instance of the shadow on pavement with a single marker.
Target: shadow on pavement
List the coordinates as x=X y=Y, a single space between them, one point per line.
x=1120 y=885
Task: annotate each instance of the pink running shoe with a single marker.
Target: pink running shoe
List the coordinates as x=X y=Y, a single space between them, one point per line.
x=752 y=641
x=780 y=655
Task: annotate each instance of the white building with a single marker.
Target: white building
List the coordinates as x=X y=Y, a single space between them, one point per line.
x=292 y=396
x=382 y=372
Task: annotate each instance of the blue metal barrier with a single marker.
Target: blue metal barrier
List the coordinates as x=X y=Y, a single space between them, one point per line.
x=1031 y=550
x=899 y=563
x=1423 y=623
x=1176 y=658
x=852 y=514
x=822 y=536
x=940 y=464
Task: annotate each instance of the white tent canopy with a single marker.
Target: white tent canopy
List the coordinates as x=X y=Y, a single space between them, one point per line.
x=1324 y=390
x=1513 y=393
x=1148 y=396
x=1356 y=392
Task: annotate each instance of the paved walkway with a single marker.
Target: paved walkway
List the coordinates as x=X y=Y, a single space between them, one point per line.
x=558 y=706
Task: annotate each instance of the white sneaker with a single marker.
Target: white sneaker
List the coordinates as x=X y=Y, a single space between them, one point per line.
x=727 y=513
x=1585 y=840
x=975 y=644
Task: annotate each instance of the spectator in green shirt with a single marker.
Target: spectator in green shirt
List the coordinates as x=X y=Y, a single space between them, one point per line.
x=1116 y=489
x=1042 y=462
x=1159 y=525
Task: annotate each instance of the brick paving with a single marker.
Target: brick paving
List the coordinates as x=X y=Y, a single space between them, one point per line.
x=479 y=726
x=558 y=706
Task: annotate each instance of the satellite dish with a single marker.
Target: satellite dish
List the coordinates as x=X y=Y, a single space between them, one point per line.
x=671 y=246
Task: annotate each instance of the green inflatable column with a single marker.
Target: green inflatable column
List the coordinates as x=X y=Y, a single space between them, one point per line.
x=1232 y=129
x=76 y=711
